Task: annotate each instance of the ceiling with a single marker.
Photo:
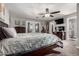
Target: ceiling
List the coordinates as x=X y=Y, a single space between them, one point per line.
x=31 y=10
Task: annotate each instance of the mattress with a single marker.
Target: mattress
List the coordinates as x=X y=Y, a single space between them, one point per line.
x=27 y=42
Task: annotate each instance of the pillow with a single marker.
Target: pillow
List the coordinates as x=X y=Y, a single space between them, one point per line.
x=10 y=31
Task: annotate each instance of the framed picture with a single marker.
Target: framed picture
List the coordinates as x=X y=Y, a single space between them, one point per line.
x=17 y=22
x=30 y=27
x=37 y=27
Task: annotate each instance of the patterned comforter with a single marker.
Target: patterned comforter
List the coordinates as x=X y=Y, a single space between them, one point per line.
x=27 y=42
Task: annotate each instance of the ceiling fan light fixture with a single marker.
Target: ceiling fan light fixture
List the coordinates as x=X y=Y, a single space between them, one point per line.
x=47 y=15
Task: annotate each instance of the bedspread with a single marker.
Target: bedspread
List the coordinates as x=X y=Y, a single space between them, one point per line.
x=27 y=42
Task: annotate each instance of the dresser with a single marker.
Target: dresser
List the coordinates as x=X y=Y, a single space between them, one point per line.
x=61 y=35
x=20 y=29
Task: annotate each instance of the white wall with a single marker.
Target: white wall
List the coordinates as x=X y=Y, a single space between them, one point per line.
x=73 y=18
x=70 y=16
x=4 y=15
x=50 y=26
x=56 y=25
x=13 y=18
x=65 y=24
x=78 y=25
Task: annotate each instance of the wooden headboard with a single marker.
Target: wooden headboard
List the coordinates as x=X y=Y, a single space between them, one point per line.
x=2 y=24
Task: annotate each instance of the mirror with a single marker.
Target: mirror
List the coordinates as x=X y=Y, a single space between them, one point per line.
x=37 y=27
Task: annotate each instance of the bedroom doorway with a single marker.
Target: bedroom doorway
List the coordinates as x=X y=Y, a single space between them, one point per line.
x=71 y=28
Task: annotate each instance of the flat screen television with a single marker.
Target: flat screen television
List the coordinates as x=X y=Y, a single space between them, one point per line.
x=59 y=21
x=61 y=28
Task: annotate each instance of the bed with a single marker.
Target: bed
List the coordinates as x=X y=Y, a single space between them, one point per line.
x=27 y=44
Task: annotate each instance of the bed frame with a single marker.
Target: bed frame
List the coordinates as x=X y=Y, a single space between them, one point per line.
x=37 y=52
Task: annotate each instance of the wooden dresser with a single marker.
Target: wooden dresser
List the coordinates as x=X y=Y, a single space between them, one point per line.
x=20 y=29
x=61 y=35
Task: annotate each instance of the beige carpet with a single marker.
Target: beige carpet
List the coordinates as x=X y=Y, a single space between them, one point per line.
x=68 y=50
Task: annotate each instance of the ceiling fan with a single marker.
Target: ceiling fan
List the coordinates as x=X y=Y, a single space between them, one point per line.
x=48 y=14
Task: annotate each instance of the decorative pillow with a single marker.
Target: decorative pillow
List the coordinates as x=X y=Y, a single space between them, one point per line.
x=10 y=31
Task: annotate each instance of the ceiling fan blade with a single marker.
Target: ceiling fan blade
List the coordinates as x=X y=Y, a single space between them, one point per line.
x=51 y=16
x=55 y=12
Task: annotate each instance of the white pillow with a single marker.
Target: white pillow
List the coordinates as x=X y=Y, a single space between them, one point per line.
x=11 y=31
